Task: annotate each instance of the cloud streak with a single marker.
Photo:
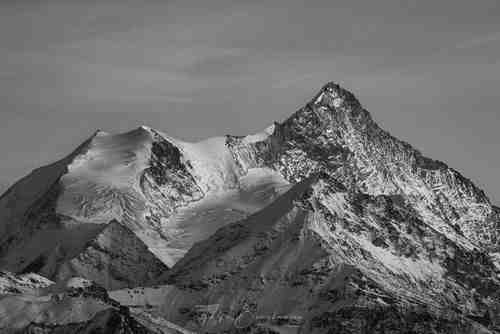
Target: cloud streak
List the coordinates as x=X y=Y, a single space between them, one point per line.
x=493 y=37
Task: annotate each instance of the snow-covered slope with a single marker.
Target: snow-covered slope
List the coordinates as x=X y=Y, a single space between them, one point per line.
x=324 y=215
x=166 y=193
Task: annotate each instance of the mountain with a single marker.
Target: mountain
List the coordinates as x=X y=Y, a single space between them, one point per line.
x=135 y=182
x=323 y=223
x=77 y=307
x=340 y=261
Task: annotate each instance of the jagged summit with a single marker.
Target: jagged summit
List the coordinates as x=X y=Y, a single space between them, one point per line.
x=334 y=96
x=99 y=133
x=145 y=127
x=335 y=134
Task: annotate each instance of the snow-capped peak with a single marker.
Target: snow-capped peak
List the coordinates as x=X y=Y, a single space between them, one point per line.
x=324 y=211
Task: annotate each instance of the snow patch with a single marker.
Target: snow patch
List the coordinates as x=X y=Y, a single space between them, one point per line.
x=258 y=137
x=418 y=270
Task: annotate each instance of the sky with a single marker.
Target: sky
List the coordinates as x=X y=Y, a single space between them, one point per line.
x=427 y=71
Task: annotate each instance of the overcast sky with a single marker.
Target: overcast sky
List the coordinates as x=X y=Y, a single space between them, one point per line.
x=428 y=71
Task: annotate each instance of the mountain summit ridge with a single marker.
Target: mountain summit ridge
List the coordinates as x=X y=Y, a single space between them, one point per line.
x=370 y=159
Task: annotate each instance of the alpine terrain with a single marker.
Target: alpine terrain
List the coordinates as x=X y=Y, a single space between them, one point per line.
x=323 y=223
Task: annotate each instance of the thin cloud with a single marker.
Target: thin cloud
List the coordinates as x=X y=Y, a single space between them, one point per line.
x=478 y=41
x=470 y=43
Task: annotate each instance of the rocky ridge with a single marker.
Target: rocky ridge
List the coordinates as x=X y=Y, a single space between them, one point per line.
x=333 y=133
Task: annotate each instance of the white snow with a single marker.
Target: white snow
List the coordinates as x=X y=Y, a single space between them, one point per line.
x=199 y=220
x=100 y=181
x=78 y=282
x=496 y=261
x=261 y=136
x=419 y=270
x=103 y=184
x=212 y=163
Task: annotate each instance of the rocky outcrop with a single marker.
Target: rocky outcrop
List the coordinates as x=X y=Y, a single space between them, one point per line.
x=105 y=322
x=167 y=183
x=11 y=283
x=75 y=309
x=116 y=258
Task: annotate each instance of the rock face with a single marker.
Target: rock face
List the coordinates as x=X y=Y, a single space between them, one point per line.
x=104 y=322
x=323 y=223
x=115 y=259
x=26 y=284
x=335 y=134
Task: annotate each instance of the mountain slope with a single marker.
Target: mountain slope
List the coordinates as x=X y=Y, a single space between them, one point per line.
x=114 y=259
x=335 y=259
x=78 y=307
x=161 y=190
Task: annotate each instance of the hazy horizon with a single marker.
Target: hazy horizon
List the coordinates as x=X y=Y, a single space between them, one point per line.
x=429 y=73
